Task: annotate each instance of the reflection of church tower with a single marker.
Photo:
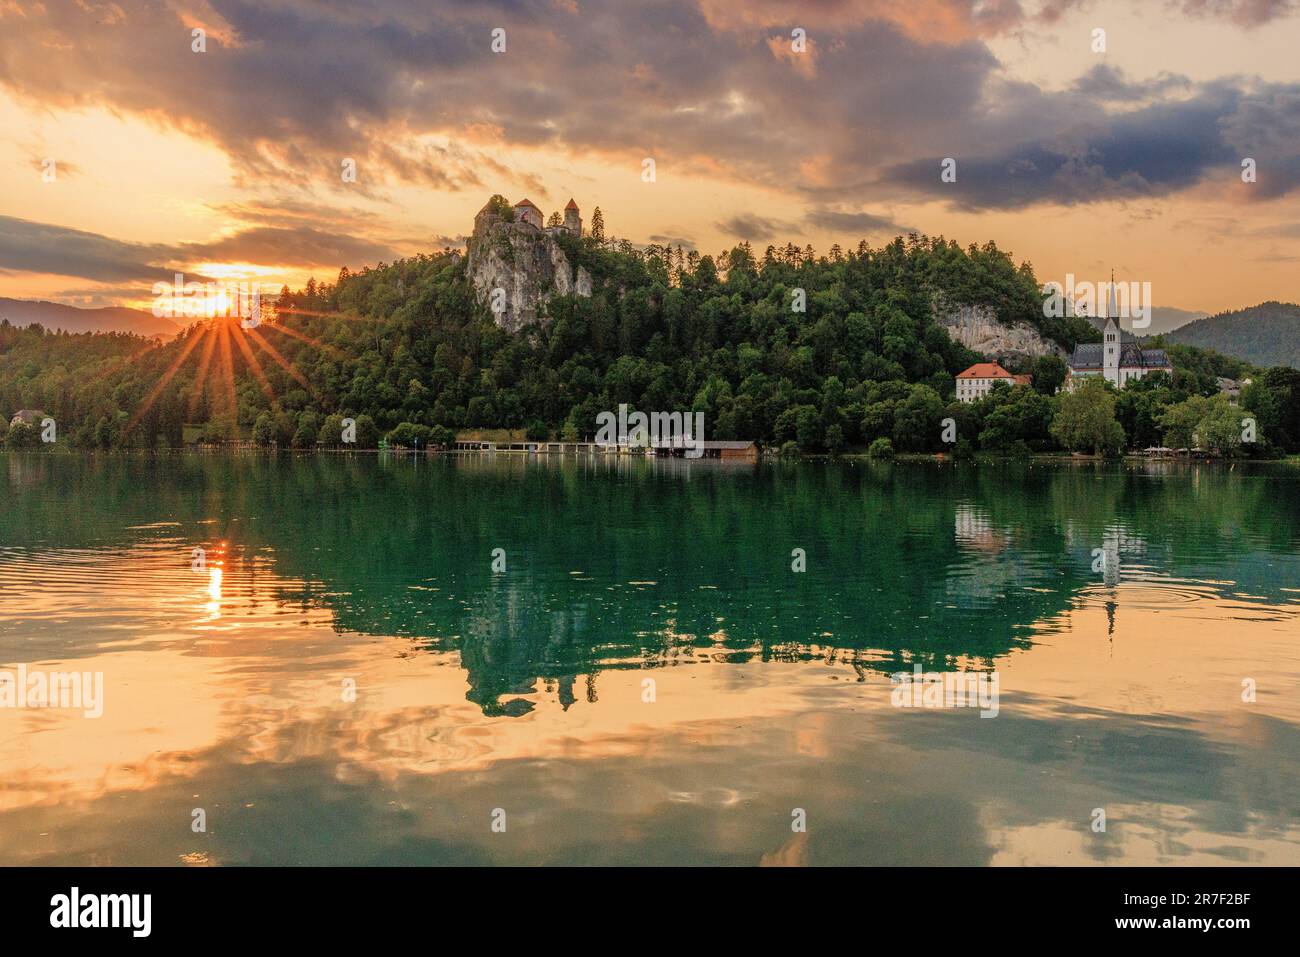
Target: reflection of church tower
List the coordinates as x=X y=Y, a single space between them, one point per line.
x=1110 y=568
x=572 y=221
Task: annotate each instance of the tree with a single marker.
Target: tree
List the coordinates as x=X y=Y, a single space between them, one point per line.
x=1221 y=428
x=23 y=436
x=1213 y=423
x=331 y=432
x=554 y=220
x=1085 y=419
x=308 y=428
x=834 y=440
x=1181 y=419
x=264 y=429
x=916 y=420
x=367 y=433
x=598 y=225
x=881 y=448
x=1049 y=374
x=410 y=435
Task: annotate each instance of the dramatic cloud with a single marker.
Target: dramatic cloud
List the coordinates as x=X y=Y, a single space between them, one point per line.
x=43 y=248
x=1152 y=151
x=39 y=247
x=414 y=93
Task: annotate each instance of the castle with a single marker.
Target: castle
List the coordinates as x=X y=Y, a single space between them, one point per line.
x=517 y=264
x=526 y=212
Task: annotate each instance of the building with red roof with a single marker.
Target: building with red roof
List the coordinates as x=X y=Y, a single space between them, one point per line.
x=975 y=382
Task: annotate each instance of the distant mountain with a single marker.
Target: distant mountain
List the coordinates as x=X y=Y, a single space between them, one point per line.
x=53 y=315
x=1167 y=319
x=1264 y=335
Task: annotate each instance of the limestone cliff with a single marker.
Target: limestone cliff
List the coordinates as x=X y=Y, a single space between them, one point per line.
x=524 y=263
x=977 y=328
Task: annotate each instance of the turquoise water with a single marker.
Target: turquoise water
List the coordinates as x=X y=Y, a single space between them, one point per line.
x=374 y=659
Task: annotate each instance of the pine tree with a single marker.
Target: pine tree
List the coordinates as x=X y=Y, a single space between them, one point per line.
x=555 y=220
x=598 y=226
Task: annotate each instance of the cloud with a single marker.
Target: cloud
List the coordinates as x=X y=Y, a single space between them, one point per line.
x=859 y=223
x=1105 y=83
x=663 y=240
x=295 y=246
x=27 y=246
x=753 y=228
x=414 y=93
x=1152 y=151
x=1246 y=13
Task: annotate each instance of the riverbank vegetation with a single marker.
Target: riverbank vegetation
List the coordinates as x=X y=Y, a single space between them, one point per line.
x=817 y=353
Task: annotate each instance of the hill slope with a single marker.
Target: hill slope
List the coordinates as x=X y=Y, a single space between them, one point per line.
x=1264 y=335
x=53 y=315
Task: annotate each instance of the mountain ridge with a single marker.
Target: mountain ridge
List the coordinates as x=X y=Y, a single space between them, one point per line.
x=1267 y=334
x=55 y=316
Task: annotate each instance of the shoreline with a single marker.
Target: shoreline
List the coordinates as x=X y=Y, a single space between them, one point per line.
x=770 y=457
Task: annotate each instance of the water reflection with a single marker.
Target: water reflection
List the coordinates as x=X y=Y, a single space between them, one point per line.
x=1121 y=687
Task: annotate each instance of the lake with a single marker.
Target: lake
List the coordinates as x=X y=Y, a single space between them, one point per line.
x=362 y=659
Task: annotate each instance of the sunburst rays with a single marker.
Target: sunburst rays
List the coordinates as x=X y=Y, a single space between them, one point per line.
x=222 y=338
x=166 y=377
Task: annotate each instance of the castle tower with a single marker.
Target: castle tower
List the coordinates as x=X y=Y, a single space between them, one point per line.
x=572 y=221
x=1111 y=336
x=528 y=213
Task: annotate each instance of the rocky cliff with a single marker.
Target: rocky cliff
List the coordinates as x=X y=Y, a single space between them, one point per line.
x=977 y=328
x=516 y=267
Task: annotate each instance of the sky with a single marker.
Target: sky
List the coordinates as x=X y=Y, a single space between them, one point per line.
x=130 y=154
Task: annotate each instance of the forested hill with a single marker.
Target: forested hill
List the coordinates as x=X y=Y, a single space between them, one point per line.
x=1265 y=335
x=407 y=344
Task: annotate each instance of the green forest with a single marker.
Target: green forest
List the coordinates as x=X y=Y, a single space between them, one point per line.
x=855 y=362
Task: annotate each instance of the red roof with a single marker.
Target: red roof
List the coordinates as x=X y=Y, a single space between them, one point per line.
x=985 y=370
x=571 y=204
x=526 y=202
x=1023 y=379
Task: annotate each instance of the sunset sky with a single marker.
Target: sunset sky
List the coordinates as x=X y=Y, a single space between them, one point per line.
x=226 y=163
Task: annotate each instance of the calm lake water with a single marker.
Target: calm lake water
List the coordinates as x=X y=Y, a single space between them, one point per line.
x=1121 y=609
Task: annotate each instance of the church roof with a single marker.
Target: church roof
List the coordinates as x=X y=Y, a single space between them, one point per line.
x=571 y=204
x=1088 y=357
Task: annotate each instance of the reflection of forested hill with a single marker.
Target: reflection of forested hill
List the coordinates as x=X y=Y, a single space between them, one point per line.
x=645 y=563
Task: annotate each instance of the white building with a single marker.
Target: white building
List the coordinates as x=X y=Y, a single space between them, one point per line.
x=975 y=382
x=1118 y=357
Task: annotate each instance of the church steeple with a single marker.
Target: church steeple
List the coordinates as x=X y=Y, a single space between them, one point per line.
x=1112 y=310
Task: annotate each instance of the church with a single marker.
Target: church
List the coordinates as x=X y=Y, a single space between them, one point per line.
x=1118 y=358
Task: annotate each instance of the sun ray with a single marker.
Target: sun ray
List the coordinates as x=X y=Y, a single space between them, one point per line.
x=335 y=351
x=237 y=333
x=282 y=362
x=200 y=379
x=165 y=378
x=121 y=364
x=228 y=376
